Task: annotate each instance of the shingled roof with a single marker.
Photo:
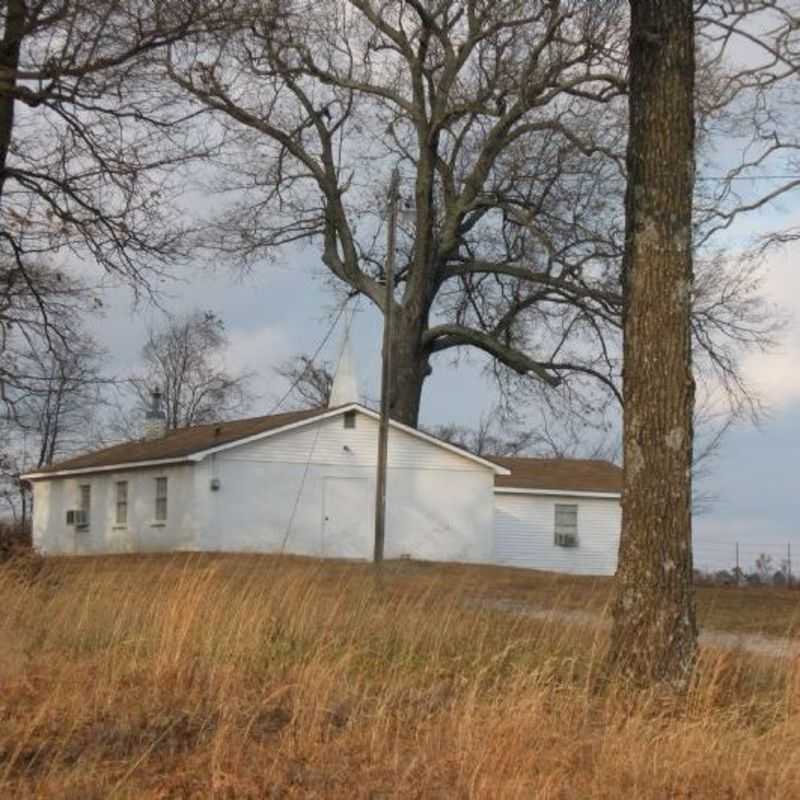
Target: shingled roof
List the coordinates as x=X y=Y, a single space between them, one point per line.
x=182 y=442
x=544 y=474
x=560 y=474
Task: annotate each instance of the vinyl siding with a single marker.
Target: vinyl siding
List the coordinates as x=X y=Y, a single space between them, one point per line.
x=524 y=534
x=325 y=442
x=280 y=507
x=272 y=494
x=53 y=498
x=271 y=498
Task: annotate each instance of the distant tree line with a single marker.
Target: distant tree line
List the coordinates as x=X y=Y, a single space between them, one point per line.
x=766 y=571
x=74 y=404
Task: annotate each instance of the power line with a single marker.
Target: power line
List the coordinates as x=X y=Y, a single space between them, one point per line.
x=313 y=358
x=306 y=468
x=318 y=428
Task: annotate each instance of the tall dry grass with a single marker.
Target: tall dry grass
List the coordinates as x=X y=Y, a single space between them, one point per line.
x=231 y=677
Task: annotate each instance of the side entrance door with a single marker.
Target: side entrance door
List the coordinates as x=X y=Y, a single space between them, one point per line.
x=347 y=518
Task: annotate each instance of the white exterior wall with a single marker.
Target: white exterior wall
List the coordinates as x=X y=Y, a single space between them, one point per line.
x=525 y=528
x=53 y=498
x=272 y=495
x=311 y=491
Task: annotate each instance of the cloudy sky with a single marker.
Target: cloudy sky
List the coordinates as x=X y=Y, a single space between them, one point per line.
x=286 y=308
x=756 y=480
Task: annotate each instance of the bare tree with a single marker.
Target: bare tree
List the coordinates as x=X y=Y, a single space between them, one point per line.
x=488 y=438
x=754 y=107
x=509 y=125
x=501 y=432
x=9 y=489
x=764 y=567
x=85 y=136
x=310 y=383
x=57 y=404
x=504 y=118
x=34 y=304
x=185 y=360
x=60 y=411
x=654 y=632
x=89 y=148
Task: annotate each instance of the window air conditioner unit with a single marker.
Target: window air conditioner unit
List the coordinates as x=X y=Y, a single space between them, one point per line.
x=566 y=540
x=77 y=517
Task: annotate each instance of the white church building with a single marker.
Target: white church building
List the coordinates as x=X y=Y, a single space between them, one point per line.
x=304 y=483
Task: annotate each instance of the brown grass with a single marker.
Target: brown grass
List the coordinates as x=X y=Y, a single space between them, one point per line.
x=767 y=610
x=236 y=677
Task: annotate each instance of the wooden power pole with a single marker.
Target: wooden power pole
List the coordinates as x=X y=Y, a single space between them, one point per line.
x=383 y=433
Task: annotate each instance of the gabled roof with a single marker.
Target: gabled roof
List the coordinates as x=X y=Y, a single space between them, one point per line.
x=562 y=475
x=180 y=444
x=195 y=443
x=186 y=445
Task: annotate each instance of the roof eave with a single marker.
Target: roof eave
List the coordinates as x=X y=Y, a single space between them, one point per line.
x=65 y=473
x=199 y=455
x=558 y=492
x=496 y=468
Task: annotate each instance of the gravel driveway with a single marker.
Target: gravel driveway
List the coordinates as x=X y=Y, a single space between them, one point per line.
x=754 y=643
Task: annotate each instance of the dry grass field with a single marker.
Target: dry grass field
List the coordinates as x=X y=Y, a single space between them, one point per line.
x=257 y=677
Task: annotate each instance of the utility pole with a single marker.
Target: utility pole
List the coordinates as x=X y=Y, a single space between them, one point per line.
x=386 y=366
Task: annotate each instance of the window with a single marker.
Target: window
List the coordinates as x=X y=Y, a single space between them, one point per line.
x=161 y=499
x=85 y=505
x=349 y=419
x=566 y=525
x=122 y=503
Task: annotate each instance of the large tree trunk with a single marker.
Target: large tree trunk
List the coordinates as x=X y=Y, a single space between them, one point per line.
x=654 y=635
x=410 y=366
x=9 y=62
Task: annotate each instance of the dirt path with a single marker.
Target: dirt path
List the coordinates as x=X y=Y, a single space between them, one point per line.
x=754 y=643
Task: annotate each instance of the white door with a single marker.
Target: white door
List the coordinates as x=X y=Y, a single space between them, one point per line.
x=346 y=518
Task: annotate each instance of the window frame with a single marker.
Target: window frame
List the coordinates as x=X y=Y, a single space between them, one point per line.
x=85 y=503
x=121 y=504
x=161 y=505
x=349 y=419
x=559 y=529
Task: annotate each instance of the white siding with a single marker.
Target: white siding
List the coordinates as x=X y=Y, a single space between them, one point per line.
x=327 y=439
x=439 y=504
x=52 y=499
x=524 y=534
x=270 y=498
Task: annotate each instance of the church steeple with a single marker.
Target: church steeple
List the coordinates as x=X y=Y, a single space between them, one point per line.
x=345 y=382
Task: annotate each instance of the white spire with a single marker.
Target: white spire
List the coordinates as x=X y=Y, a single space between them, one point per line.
x=345 y=382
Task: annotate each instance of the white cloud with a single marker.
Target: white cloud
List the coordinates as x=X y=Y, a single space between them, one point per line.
x=258 y=351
